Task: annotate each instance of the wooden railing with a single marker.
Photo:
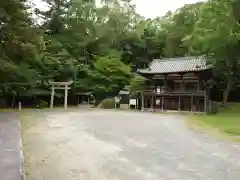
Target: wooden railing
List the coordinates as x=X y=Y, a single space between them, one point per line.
x=154 y=90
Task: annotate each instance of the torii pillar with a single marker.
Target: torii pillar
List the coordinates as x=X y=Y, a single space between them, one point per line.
x=60 y=85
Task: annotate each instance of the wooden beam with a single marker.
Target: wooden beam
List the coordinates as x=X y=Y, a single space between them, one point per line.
x=186 y=81
x=61 y=83
x=189 y=77
x=55 y=87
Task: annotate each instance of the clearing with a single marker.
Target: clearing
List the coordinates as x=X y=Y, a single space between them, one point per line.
x=119 y=145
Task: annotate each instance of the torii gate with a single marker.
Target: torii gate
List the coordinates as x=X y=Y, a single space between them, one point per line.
x=60 y=85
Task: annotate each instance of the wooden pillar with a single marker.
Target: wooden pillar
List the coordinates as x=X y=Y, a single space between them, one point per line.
x=181 y=85
x=52 y=97
x=136 y=107
x=205 y=102
x=209 y=105
x=198 y=86
x=191 y=103
x=152 y=102
x=165 y=82
x=142 y=101
x=162 y=102
x=65 y=97
x=179 y=103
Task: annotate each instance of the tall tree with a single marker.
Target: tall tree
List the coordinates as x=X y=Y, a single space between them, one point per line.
x=216 y=34
x=178 y=26
x=20 y=45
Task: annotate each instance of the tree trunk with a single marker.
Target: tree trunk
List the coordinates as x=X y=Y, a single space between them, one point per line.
x=226 y=91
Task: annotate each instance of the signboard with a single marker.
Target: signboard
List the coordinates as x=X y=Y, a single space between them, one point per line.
x=133 y=102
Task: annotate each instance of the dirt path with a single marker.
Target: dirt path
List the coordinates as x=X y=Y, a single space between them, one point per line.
x=109 y=145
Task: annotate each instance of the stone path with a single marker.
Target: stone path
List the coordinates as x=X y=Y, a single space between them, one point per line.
x=10 y=152
x=104 y=145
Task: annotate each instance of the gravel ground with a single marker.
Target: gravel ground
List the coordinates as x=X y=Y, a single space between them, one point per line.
x=118 y=145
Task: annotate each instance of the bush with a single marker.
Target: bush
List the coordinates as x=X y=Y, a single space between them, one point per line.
x=42 y=104
x=107 y=103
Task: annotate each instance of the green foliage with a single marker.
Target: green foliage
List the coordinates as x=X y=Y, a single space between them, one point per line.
x=99 y=47
x=107 y=103
x=216 y=34
x=109 y=75
x=178 y=27
x=42 y=104
x=137 y=84
x=20 y=44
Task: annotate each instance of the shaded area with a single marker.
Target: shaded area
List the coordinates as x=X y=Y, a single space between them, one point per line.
x=102 y=144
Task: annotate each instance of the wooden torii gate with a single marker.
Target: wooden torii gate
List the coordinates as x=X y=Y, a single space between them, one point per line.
x=60 y=85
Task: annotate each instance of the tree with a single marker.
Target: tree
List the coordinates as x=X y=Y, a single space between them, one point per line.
x=137 y=84
x=216 y=34
x=177 y=27
x=20 y=45
x=99 y=47
x=109 y=75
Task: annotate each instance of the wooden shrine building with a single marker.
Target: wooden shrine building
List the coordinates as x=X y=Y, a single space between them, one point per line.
x=178 y=84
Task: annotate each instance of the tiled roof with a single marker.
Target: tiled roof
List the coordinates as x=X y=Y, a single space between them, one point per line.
x=174 y=65
x=123 y=92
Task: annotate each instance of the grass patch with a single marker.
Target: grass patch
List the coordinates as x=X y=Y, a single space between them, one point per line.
x=227 y=122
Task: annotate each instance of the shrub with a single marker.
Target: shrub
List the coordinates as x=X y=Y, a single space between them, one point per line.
x=107 y=103
x=42 y=104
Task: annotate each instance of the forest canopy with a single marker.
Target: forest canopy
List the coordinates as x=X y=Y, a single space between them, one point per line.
x=100 y=47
